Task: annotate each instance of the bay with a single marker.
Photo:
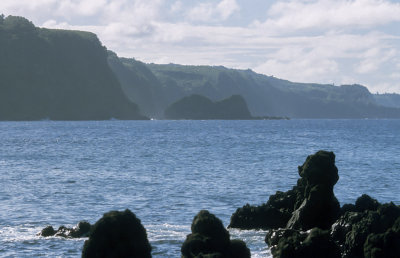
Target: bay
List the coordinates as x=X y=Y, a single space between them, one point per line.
x=58 y=173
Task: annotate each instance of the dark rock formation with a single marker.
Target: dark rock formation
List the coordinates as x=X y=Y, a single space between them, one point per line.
x=273 y=214
x=320 y=208
x=311 y=203
x=371 y=231
x=117 y=234
x=200 y=107
x=80 y=230
x=364 y=229
x=47 y=231
x=361 y=233
x=209 y=238
x=294 y=243
x=385 y=244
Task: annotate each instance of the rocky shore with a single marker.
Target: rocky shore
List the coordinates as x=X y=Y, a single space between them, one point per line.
x=306 y=221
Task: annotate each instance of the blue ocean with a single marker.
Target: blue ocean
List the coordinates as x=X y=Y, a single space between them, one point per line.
x=59 y=173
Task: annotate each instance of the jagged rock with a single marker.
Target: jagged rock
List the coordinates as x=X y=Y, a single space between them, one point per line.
x=348 y=207
x=385 y=244
x=117 y=234
x=209 y=238
x=294 y=243
x=271 y=215
x=364 y=229
x=365 y=202
x=362 y=233
x=259 y=217
x=274 y=236
x=311 y=203
x=368 y=233
x=80 y=230
x=320 y=208
x=238 y=249
x=47 y=231
x=343 y=226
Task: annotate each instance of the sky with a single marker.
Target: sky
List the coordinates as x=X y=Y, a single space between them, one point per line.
x=320 y=41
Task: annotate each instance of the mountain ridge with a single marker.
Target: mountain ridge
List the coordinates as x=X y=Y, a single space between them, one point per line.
x=70 y=75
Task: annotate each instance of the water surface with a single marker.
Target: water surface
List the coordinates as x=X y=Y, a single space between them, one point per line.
x=58 y=173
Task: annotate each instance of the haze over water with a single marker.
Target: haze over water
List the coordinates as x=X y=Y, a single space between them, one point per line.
x=59 y=173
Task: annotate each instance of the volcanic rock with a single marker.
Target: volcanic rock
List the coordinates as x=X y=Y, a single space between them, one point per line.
x=209 y=238
x=82 y=229
x=117 y=234
x=311 y=203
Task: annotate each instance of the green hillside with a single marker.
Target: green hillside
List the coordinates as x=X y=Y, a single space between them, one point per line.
x=69 y=75
x=58 y=75
x=270 y=96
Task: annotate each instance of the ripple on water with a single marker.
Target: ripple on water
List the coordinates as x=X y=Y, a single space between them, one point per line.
x=166 y=171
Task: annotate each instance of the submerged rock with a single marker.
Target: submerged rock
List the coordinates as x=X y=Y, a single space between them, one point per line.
x=209 y=238
x=117 y=234
x=82 y=229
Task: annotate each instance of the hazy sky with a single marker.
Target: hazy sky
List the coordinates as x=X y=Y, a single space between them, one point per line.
x=324 y=41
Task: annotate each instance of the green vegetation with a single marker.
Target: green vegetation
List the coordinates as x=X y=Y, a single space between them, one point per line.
x=57 y=74
x=388 y=100
x=69 y=75
x=270 y=96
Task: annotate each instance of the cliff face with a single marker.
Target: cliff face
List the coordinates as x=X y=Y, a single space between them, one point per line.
x=139 y=84
x=58 y=75
x=69 y=75
x=200 y=107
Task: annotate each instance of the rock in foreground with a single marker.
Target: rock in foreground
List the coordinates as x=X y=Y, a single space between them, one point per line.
x=311 y=203
x=117 y=234
x=209 y=238
x=307 y=221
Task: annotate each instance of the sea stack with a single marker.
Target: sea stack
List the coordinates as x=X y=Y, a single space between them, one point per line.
x=311 y=203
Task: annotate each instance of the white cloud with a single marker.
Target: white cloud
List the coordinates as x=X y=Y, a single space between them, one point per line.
x=226 y=8
x=202 y=12
x=176 y=7
x=294 y=15
x=299 y=64
x=211 y=12
x=81 y=8
x=374 y=58
x=395 y=75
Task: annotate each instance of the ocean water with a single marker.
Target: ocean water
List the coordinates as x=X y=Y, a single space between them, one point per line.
x=59 y=173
